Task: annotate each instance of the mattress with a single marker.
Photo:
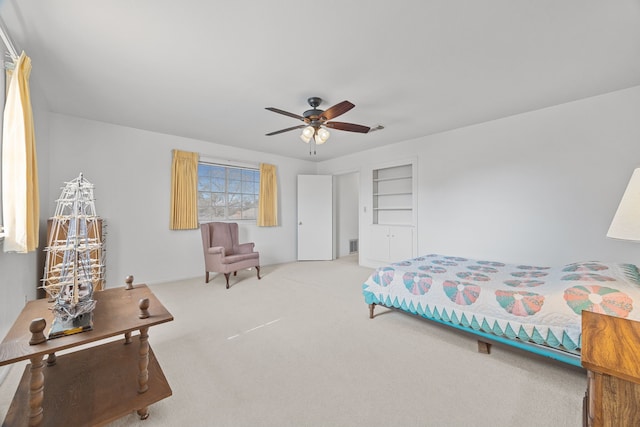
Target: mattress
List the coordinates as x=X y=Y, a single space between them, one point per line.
x=529 y=303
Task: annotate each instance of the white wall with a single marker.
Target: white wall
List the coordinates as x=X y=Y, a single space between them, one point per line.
x=346 y=189
x=540 y=187
x=130 y=170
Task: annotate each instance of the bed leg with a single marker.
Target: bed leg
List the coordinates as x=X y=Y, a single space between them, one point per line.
x=484 y=347
x=371 y=307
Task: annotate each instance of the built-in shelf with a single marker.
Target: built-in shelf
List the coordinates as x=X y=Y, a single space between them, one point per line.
x=393 y=178
x=390 y=194
x=393 y=195
x=392 y=234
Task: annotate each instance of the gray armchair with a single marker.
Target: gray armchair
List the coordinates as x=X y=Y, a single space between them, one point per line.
x=222 y=252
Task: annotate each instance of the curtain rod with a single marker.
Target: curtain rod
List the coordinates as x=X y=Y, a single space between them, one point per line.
x=227 y=162
x=7 y=41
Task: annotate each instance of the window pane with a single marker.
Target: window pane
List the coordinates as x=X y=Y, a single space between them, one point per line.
x=218 y=213
x=249 y=206
x=248 y=175
x=234 y=199
x=234 y=186
x=227 y=192
x=218 y=199
x=218 y=172
x=250 y=187
x=218 y=184
x=205 y=213
x=204 y=183
x=203 y=170
x=235 y=174
x=204 y=199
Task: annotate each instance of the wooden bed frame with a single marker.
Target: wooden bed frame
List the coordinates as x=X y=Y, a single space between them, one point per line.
x=484 y=344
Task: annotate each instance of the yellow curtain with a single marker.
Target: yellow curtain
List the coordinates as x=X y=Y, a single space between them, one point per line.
x=268 y=199
x=184 y=191
x=20 y=194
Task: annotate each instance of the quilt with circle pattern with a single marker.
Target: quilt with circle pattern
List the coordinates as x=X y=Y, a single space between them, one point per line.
x=524 y=302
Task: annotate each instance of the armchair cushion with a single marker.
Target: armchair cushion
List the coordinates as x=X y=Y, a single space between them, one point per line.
x=232 y=259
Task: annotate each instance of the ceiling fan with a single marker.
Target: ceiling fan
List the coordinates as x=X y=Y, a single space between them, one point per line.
x=316 y=120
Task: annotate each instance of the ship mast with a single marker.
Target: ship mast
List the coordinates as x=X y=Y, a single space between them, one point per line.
x=76 y=216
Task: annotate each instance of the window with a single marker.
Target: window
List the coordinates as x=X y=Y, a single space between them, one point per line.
x=227 y=192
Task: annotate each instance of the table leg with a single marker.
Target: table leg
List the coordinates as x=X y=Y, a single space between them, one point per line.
x=143 y=413
x=143 y=361
x=36 y=390
x=143 y=372
x=51 y=359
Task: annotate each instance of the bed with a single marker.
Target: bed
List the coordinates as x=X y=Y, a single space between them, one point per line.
x=535 y=308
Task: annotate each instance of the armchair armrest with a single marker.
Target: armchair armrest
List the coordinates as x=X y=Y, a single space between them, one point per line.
x=244 y=248
x=216 y=250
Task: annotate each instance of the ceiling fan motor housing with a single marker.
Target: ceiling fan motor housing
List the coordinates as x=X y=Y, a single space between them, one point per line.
x=313 y=114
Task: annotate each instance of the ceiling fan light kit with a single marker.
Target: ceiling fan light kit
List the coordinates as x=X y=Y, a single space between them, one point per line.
x=316 y=121
x=307 y=133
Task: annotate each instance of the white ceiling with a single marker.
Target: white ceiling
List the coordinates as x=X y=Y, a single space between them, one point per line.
x=207 y=69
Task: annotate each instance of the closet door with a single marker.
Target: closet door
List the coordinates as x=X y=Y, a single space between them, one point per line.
x=379 y=245
x=400 y=243
x=391 y=243
x=315 y=217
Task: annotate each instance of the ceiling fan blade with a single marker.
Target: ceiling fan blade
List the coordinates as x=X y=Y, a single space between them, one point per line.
x=286 y=113
x=337 y=110
x=350 y=127
x=286 y=130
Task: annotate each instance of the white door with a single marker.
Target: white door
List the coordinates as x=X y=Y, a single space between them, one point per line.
x=315 y=217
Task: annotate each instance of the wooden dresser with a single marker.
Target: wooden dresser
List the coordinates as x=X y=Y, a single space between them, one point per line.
x=611 y=355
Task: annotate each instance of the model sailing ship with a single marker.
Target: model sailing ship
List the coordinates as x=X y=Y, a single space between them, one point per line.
x=72 y=270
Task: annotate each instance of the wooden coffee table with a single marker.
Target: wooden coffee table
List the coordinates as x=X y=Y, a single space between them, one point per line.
x=97 y=384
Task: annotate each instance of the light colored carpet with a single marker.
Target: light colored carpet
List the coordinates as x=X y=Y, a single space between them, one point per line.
x=297 y=349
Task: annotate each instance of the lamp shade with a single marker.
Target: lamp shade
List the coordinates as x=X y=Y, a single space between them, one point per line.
x=626 y=221
x=307 y=133
x=322 y=135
